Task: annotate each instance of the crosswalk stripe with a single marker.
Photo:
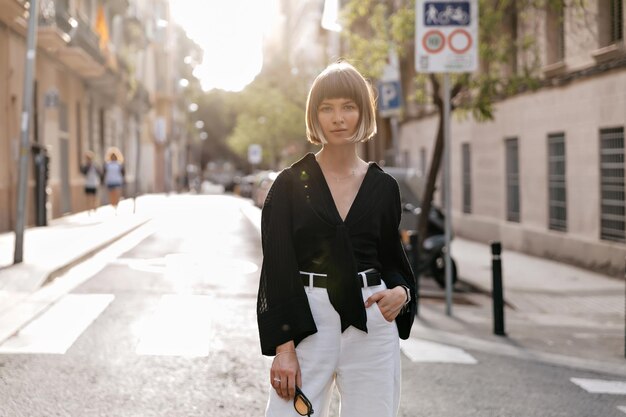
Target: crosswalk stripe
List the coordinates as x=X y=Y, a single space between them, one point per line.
x=180 y=326
x=58 y=328
x=425 y=351
x=599 y=386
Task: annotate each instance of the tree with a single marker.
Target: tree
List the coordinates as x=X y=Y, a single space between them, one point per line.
x=271 y=113
x=508 y=57
x=269 y=118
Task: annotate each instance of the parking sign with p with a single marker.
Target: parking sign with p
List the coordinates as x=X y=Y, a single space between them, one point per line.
x=389 y=98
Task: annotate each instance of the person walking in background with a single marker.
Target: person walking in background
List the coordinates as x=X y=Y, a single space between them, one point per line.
x=92 y=173
x=336 y=290
x=114 y=175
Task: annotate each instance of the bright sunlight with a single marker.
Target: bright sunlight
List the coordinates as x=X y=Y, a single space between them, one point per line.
x=231 y=35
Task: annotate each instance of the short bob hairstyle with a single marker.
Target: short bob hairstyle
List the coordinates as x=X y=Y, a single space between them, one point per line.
x=341 y=80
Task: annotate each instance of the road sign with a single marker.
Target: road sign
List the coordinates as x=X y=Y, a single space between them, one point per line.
x=389 y=98
x=446 y=35
x=255 y=154
x=389 y=88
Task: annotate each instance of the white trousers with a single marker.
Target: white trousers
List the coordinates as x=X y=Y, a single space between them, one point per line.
x=364 y=366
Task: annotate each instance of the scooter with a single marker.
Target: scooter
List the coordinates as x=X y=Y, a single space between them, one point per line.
x=430 y=260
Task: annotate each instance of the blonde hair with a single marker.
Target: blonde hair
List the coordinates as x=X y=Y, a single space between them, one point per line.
x=341 y=80
x=114 y=151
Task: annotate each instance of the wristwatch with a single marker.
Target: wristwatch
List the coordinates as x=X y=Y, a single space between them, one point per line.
x=408 y=294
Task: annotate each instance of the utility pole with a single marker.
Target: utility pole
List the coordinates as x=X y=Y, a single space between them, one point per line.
x=27 y=102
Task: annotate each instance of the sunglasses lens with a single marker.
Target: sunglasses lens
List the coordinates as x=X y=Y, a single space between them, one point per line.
x=301 y=406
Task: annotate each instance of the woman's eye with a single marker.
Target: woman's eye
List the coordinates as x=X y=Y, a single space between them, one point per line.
x=325 y=109
x=349 y=107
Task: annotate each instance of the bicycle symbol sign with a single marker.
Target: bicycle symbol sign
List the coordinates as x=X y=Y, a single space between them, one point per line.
x=446 y=13
x=446 y=35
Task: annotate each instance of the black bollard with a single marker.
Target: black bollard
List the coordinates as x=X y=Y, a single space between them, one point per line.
x=497 y=291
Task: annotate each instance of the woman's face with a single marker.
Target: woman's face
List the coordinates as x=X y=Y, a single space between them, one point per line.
x=338 y=118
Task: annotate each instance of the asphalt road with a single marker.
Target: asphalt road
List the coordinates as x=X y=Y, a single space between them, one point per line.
x=169 y=329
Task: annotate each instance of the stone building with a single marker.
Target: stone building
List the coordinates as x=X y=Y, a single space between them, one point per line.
x=546 y=176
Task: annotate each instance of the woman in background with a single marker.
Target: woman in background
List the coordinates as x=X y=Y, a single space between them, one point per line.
x=114 y=175
x=92 y=173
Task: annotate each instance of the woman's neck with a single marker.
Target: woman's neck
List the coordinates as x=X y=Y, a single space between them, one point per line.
x=338 y=158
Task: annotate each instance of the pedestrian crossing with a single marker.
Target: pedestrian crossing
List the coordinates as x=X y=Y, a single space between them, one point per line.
x=601 y=386
x=178 y=325
x=57 y=329
x=425 y=351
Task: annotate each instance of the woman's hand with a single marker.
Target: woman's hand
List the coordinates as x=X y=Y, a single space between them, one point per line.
x=285 y=371
x=390 y=302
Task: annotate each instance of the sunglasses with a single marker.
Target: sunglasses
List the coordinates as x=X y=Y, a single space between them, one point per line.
x=302 y=404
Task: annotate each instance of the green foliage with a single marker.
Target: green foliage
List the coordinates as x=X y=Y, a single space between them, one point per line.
x=269 y=117
x=373 y=27
x=217 y=109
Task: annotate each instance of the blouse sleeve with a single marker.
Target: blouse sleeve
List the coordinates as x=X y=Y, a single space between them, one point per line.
x=283 y=311
x=396 y=267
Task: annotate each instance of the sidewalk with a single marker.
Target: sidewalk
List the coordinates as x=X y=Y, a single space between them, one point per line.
x=50 y=251
x=555 y=313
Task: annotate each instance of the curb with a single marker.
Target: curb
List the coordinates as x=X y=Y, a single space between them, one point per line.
x=90 y=253
x=39 y=301
x=518 y=352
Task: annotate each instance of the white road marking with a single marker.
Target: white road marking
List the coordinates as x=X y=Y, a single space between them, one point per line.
x=180 y=326
x=622 y=408
x=600 y=386
x=425 y=351
x=58 y=328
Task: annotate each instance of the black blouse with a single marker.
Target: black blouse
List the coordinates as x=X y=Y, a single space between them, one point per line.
x=302 y=230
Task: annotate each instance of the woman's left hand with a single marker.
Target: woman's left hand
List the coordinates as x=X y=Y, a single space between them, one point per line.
x=390 y=302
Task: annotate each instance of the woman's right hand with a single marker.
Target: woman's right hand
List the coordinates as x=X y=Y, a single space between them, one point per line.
x=285 y=371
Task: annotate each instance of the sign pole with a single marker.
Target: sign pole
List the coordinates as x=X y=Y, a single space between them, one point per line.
x=446 y=41
x=447 y=193
x=27 y=102
x=395 y=138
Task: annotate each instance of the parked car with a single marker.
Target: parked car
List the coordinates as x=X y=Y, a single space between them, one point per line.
x=429 y=260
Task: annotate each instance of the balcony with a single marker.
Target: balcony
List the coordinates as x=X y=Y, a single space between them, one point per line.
x=55 y=26
x=82 y=54
x=11 y=10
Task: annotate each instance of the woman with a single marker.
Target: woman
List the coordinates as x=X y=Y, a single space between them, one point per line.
x=92 y=174
x=114 y=175
x=334 y=276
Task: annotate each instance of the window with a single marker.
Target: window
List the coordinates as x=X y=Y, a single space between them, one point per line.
x=610 y=21
x=612 y=218
x=467 y=179
x=555 y=32
x=617 y=20
x=512 y=181
x=557 y=192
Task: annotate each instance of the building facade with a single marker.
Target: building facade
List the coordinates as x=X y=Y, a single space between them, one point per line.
x=106 y=75
x=546 y=176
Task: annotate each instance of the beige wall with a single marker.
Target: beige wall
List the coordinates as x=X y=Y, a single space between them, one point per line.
x=579 y=110
x=6 y=154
